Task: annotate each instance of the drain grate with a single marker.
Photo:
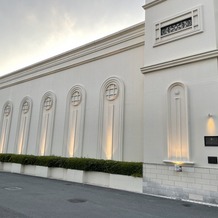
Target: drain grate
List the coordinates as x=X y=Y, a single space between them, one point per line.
x=77 y=200
x=13 y=188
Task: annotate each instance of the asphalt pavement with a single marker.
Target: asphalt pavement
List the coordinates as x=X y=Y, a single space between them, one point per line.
x=24 y=196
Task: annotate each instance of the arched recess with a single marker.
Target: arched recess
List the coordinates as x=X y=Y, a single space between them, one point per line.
x=111 y=108
x=6 y=117
x=46 y=123
x=23 y=126
x=178 y=137
x=74 y=121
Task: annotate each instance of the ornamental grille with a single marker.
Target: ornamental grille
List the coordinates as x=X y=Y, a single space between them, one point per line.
x=111 y=92
x=25 y=107
x=48 y=103
x=76 y=98
x=7 y=110
x=175 y=27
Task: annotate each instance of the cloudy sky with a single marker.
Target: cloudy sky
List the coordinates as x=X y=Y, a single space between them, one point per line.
x=33 y=30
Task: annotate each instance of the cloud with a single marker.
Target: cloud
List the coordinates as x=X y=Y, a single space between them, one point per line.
x=33 y=30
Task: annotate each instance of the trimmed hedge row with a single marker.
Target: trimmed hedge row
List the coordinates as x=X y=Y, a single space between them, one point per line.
x=85 y=164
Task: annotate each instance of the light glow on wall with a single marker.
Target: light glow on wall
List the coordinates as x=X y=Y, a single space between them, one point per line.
x=44 y=136
x=22 y=136
x=178 y=140
x=211 y=127
x=109 y=147
x=20 y=145
x=3 y=134
x=109 y=139
x=72 y=132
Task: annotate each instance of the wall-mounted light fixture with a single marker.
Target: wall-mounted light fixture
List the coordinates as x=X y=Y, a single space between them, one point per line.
x=178 y=168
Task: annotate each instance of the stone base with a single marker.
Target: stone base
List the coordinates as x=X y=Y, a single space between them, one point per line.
x=193 y=183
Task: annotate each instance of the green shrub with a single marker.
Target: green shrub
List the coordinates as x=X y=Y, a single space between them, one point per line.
x=85 y=164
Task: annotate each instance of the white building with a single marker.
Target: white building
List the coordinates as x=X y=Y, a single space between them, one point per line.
x=142 y=94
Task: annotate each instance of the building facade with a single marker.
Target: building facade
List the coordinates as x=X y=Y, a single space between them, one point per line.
x=180 y=115
x=80 y=103
x=146 y=93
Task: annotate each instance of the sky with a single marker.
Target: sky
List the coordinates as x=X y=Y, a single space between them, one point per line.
x=33 y=30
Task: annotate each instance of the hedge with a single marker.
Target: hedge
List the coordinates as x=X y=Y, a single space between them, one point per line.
x=85 y=164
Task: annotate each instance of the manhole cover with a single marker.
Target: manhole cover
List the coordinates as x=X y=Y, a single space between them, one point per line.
x=186 y=205
x=13 y=188
x=77 y=200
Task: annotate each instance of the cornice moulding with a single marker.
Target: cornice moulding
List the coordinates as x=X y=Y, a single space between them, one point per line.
x=104 y=47
x=152 y=3
x=180 y=61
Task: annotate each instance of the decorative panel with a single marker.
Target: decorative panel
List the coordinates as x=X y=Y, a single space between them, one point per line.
x=178 y=143
x=110 y=145
x=5 y=126
x=46 y=124
x=23 y=126
x=74 y=122
x=179 y=26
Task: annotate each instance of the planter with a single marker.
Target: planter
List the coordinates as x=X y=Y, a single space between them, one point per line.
x=42 y=171
x=121 y=182
x=97 y=178
x=57 y=173
x=7 y=167
x=16 y=168
x=29 y=170
x=127 y=183
x=74 y=176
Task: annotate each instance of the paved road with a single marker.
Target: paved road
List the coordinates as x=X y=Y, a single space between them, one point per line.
x=25 y=196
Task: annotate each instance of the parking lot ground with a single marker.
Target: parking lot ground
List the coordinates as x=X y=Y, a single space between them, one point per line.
x=26 y=196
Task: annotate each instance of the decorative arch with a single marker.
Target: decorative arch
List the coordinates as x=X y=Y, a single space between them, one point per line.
x=46 y=123
x=74 y=121
x=111 y=108
x=6 y=117
x=178 y=137
x=23 y=126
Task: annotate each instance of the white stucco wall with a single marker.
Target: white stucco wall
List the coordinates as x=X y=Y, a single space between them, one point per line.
x=201 y=81
x=115 y=55
x=180 y=61
x=191 y=62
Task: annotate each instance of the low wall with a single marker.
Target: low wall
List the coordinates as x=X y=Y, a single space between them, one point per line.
x=127 y=183
x=193 y=183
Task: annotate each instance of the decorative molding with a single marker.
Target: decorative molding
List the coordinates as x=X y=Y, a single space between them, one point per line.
x=110 y=128
x=74 y=115
x=46 y=125
x=110 y=45
x=6 y=117
x=179 y=26
x=23 y=125
x=180 y=61
x=152 y=3
x=177 y=123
